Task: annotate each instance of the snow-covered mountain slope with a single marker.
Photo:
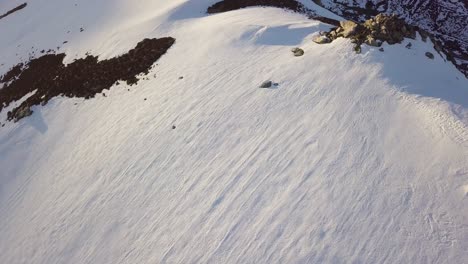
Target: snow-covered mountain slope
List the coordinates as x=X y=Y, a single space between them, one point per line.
x=352 y=158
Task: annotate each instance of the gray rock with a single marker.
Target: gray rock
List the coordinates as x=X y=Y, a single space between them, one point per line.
x=23 y=112
x=321 y=40
x=430 y=55
x=297 y=52
x=266 y=84
x=349 y=28
x=381 y=49
x=409 y=45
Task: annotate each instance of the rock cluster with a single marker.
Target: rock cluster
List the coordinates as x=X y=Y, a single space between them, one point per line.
x=445 y=21
x=372 y=32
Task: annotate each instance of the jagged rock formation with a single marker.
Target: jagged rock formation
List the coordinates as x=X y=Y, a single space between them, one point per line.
x=373 y=32
x=445 y=20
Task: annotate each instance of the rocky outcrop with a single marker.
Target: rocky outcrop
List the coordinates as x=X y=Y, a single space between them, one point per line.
x=229 y=5
x=292 y=5
x=372 y=32
x=348 y=28
x=438 y=17
x=48 y=77
x=446 y=21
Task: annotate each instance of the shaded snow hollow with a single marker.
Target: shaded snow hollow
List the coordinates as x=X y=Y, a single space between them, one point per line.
x=353 y=158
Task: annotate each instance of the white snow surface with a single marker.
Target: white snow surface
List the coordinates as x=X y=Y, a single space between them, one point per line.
x=352 y=158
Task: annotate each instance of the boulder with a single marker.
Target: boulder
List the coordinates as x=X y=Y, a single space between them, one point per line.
x=266 y=84
x=321 y=39
x=297 y=52
x=22 y=112
x=430 y=55
x=349 y=28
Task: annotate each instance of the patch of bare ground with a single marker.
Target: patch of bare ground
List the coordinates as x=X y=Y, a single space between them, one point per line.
x=48 y=77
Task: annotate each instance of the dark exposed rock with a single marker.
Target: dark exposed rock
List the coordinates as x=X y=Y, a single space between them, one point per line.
x=266 y=84
x=293 y=5
x=429 y=55
x=13 y=10
x=12 y=73
x=22 y=112
x=357 y=49
x=49 y=77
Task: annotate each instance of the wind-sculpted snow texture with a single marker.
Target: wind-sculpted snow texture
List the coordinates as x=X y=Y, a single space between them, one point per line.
x=350 y=158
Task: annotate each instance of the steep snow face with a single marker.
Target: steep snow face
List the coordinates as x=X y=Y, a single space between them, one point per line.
x=352 y=158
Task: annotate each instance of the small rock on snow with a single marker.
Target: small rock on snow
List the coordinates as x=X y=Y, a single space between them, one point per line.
x=430 y=55
x=266 y=84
